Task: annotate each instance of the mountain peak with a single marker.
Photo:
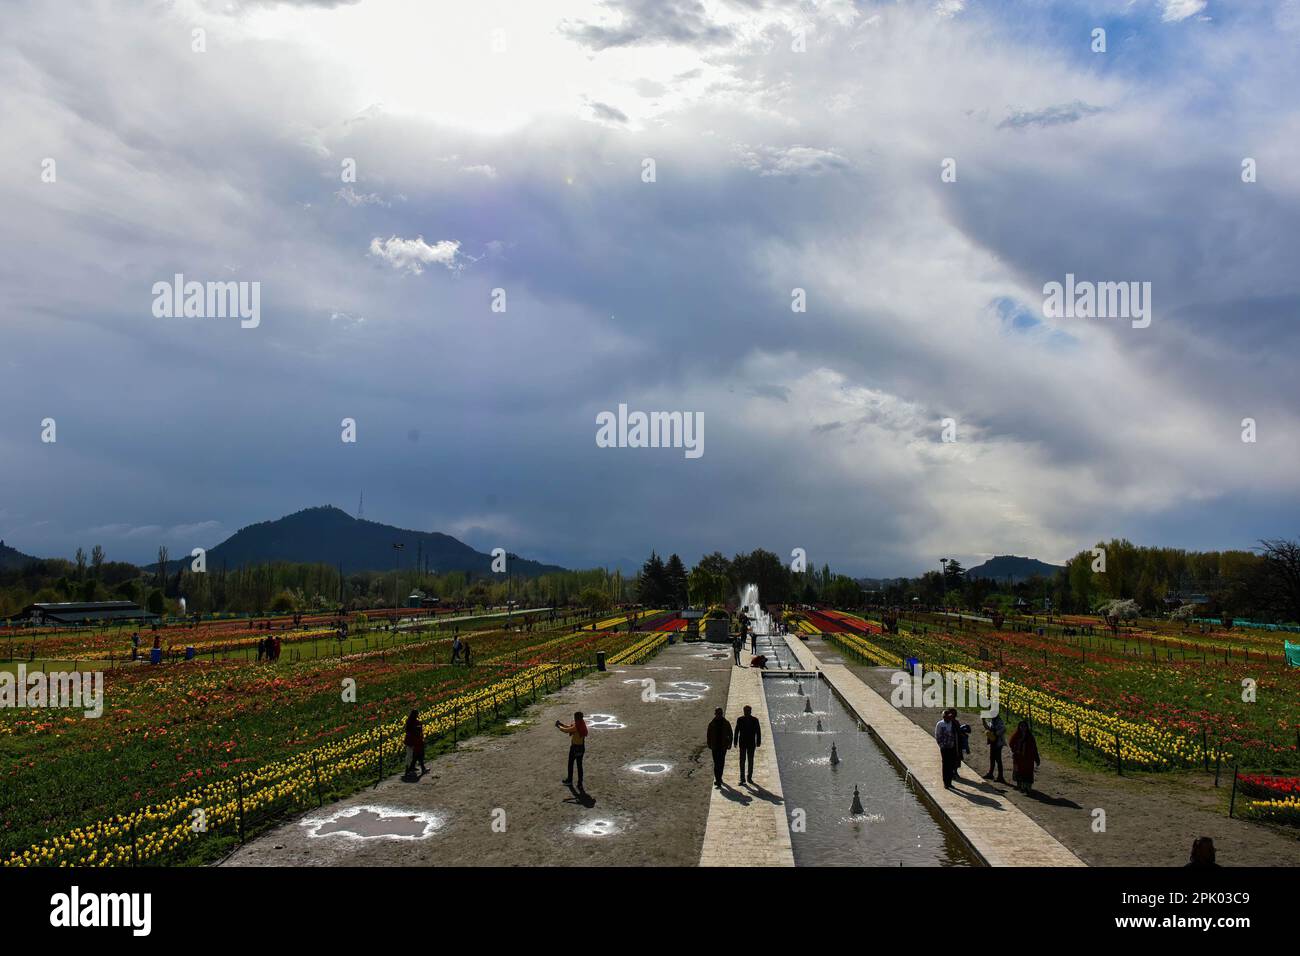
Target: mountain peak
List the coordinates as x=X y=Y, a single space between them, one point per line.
x=329 y=535
x=1014 y=568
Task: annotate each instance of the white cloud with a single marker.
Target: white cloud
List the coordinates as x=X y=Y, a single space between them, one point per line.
x=414 y=254
x=1177 y=10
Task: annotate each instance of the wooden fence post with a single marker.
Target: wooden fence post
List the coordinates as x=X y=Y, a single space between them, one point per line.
x=1232 y=801
x=320 y=801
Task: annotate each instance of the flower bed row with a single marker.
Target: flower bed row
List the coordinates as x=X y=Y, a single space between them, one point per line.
x=159 y=830
x=641 y=650
x=1139 y=746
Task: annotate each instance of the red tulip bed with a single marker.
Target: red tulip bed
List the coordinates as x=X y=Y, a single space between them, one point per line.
x=1270 y=798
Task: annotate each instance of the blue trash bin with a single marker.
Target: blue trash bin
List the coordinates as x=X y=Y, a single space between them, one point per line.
x=911 y=665
x=189 y=653
x=155 y=655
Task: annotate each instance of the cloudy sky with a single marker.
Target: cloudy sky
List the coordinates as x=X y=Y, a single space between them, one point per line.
x=795 y=145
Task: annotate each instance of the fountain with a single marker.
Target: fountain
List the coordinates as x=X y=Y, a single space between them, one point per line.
x=819 y=725
x=856 y=810
x=899 y=827
x=807 y=705
x=800 y=688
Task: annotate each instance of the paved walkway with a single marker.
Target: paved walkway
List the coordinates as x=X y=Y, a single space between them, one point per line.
x=998 y=831
x=747 y=825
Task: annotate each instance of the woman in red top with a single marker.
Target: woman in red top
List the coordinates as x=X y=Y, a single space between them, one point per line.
x=1024 y=757
x=414 y=744
x=577 y=732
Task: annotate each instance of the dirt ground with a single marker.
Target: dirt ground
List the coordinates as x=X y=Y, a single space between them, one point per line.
x=1151 y=819
x=499 y=800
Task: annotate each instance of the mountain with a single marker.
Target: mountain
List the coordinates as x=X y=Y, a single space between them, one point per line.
x=11 y=559
x=332 y=536
x=1007 y=566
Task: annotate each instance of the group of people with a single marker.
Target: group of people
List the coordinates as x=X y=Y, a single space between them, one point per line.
x=460 y=652
x=746 y=737
x=135 y=645
x=953 y=739
x=268 y=648
x=738 y=645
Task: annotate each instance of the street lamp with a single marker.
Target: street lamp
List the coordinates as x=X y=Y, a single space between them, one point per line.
x=943 y=581
x=397 y=572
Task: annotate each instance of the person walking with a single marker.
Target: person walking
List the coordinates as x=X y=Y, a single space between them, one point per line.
x=753 y=642
x=737 y=643
x=464 y=646
x=948 y=736
x=719 y=739
x=995 y=732
x=577 y=732
x=1024 y=757
x=455 y=650
x=414 y=744
x=748 y=737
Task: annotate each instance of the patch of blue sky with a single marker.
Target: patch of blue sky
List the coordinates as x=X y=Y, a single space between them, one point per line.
x=1019 y=320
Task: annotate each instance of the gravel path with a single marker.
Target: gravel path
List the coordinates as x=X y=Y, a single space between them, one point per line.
x=498 y=800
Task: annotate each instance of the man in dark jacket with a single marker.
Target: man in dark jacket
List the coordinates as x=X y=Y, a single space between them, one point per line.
x=749 y=737
x=719 y=741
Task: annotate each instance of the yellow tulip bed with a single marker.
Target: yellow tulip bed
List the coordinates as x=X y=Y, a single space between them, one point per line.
x=1285 y=811
x=641 y=649
x=864 y=648
x=170 y=828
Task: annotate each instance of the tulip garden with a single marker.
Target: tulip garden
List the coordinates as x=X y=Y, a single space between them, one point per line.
x=191 y=757
x=1145 y=699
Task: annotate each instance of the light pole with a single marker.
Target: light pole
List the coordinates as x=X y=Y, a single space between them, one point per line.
x=943 y=582
x=397 y=572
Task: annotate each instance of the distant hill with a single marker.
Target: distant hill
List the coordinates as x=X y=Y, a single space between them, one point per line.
x=1007 y=566
x=332 y=536
x=12 y=560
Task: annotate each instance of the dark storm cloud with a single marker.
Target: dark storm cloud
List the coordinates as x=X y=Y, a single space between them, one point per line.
x=924 y=300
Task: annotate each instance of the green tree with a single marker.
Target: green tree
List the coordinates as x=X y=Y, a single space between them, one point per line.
x=594 y=600
x=675 y=580
x=652 y=584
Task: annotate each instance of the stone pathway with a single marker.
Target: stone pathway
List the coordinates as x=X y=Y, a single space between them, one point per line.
x=747 y=825
x=999 y=832
x=498 y=800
